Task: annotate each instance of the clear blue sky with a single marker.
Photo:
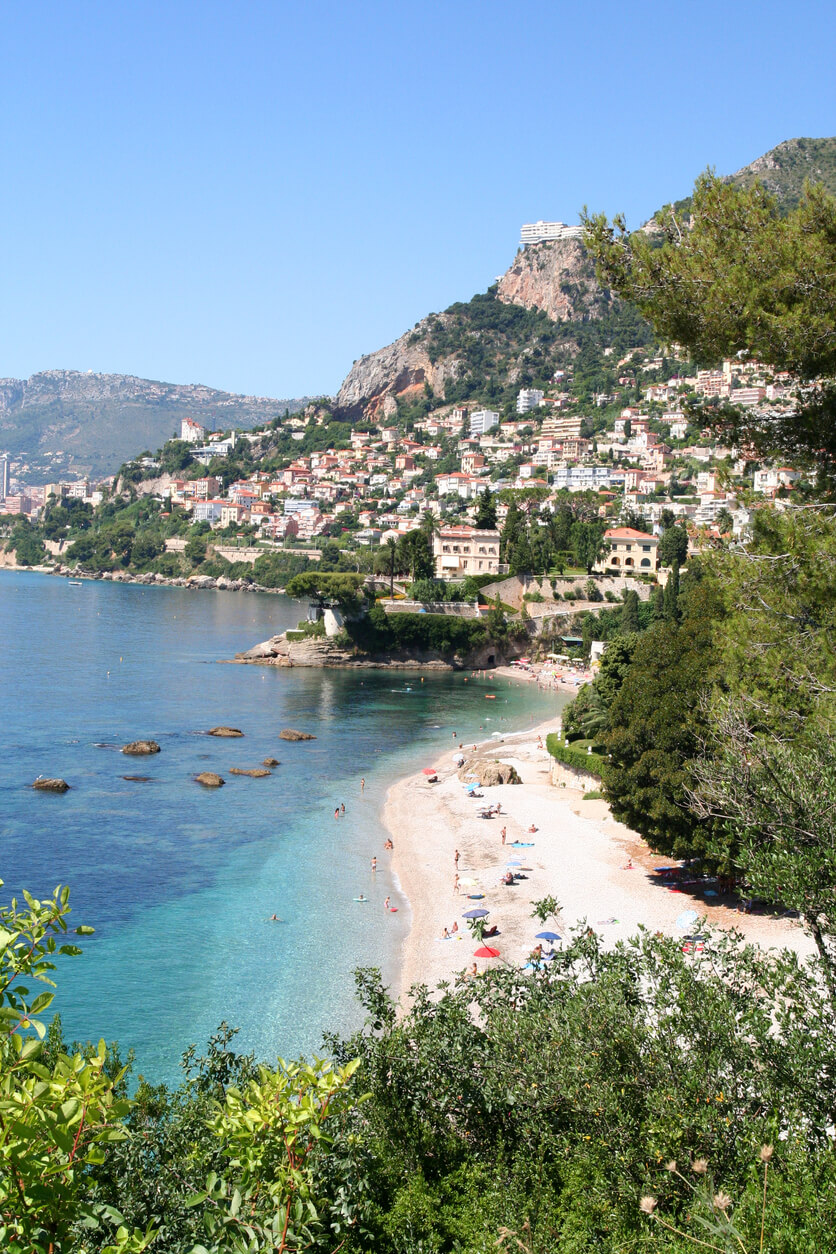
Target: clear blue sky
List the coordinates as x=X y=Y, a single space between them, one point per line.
x=251 y=195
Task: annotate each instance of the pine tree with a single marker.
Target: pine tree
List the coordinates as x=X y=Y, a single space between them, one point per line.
x=671 y=598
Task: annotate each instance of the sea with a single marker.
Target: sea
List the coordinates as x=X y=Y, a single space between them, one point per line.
x=180 y=882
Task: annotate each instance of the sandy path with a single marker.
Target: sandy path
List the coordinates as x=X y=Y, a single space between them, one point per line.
x=579 y=856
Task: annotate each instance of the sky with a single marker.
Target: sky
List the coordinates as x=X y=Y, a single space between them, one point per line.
x=251 y=195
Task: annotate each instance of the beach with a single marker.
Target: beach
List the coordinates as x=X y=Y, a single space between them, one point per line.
x=600 y=872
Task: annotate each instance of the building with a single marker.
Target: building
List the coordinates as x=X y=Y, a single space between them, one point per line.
x=192 y=432
x=528 y=399
x=629 y=550
x=482 y=420
x=538 y=232
x=5 y=476
x=461 y=551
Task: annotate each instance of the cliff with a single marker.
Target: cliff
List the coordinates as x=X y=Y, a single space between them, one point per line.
x=557 y=277
x=61 y=422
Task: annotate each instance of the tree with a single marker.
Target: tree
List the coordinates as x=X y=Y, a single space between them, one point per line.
x=671 y=595
x=656 y=721
x=415 y=554
x=59 y=1114
x=588 y=543
x=673 y=546
x=323 y=588
x=630 y=613
x=742 y=280
x=724 y=521
x=485 y=510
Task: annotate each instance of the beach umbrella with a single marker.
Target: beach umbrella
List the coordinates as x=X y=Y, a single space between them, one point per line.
x=469 y=883
x=475 y=914
x=486 y=952
x=471 y=787
x=686 y=919
x=547 y=936
x=429 y=770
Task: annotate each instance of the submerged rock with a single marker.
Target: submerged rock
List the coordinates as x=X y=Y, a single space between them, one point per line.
x=139 y=747
x=287 y=733
x=256 y=772
x=51 y=785
x=137 y=779
x=209 y=779
x=225 y=731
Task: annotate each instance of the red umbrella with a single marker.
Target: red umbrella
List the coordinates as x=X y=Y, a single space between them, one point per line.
x=486 y=952
x=429 y=770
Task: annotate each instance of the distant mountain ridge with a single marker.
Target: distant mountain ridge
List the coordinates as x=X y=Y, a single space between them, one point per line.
x=62 y=423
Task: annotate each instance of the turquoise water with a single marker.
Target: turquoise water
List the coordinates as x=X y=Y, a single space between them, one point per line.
x=180 y=881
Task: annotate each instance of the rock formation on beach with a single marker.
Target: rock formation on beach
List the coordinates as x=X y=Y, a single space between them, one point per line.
x=489 y=773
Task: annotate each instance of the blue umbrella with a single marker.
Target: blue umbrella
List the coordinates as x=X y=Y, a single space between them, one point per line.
x=686 y=919
x=475 y=914
x=549 y=936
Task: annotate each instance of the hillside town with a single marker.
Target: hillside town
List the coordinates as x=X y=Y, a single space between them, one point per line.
x=644 y=464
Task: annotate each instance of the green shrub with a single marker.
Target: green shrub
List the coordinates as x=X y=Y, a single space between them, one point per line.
x=575 y=756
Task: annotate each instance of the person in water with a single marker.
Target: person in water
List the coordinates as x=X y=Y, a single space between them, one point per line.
x=342 y=808
x=387 y=844
x=363 y=784
x=374 y=864
x=386 y=904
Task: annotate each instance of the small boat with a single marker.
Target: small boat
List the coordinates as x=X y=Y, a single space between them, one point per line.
x=76 y=583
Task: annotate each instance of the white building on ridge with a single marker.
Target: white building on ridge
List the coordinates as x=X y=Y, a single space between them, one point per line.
x=537 y=232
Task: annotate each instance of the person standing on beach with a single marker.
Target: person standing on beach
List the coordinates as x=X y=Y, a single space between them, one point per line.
x=503 y=834
x=456 y=857
x=456 y=882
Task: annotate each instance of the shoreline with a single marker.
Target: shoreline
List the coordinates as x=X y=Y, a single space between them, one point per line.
x=191 y=583
x=600 y=871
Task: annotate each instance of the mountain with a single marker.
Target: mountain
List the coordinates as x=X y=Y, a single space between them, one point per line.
x=61 y=423
x=545 y=312
x=784 y=169
x=480 y=351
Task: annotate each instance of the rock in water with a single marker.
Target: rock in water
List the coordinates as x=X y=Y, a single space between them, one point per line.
x=287 y=733
x=225 y=731
x=137 y=779
x=209 y=779
x=270 y=762
x=139 y=747
x=257 y=772
x=51 y=785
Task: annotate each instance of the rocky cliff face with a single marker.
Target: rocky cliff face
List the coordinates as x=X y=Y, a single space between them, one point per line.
x=374 y=381
x=63 y=422
x=557 y=277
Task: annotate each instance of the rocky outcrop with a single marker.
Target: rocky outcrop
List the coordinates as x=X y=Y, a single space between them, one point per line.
x=489 y=773
x=51 y=785
x=271 y=762
x=558 y=277
x=288 y=733
x=209 y=779
x=376 y=380
x=140 y=747
x=316 y=652
x=137 y=779
x=256 y=772
x=228 y=732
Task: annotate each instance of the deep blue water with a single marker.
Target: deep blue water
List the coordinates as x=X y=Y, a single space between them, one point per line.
x=179 y=882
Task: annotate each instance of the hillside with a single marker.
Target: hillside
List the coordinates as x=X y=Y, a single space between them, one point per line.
x=784 y=169
x=61 y=423
x=548 y=310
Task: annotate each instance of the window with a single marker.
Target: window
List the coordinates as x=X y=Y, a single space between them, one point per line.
x=645 y=549
x=645 y=561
